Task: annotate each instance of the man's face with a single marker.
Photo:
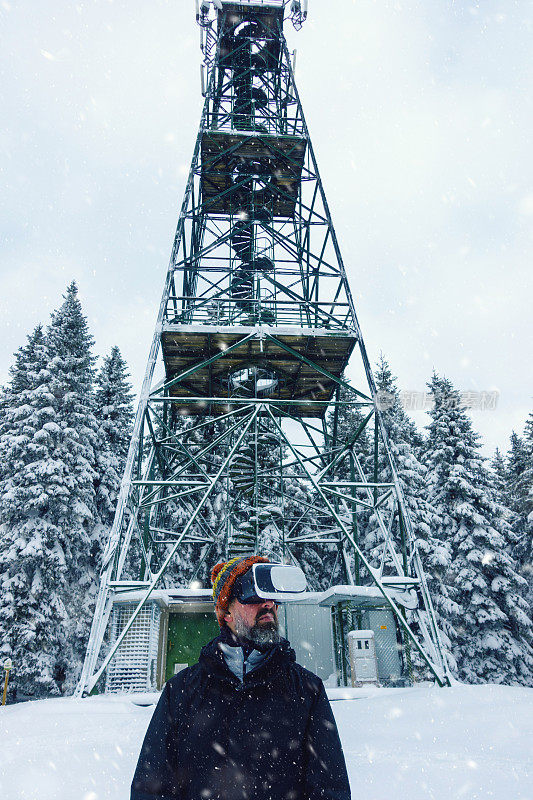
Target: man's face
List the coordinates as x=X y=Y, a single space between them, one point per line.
x=257 y=622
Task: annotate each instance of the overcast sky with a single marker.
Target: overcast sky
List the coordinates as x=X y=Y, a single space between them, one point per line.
x=421 y=116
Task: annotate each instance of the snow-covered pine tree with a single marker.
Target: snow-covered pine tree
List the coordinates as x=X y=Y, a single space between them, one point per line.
x=347 y=422
x=21 y=375
x=520 y=494
x=405 y=441
x=500 y=472
x=500 y=482
x=27 y=357
x=524 y=550
x=528 y=429
x=113 y=409
x=114 y=403
x=33 y=563
x=517 y=467
x=76 y=441
x=406 y=444
x=48 y=444
x=491 y=634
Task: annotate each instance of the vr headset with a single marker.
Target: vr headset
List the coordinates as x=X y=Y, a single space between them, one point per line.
x=277 y=582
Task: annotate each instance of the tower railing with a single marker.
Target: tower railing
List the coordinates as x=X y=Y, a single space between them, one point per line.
x=225 y=311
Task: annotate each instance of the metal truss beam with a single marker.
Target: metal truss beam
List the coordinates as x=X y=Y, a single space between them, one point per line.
x=255 y=287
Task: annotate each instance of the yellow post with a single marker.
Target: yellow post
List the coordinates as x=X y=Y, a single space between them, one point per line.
x=7 y=666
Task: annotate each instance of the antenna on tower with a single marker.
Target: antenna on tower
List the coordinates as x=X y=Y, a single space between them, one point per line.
x=203 y=8
x=297 y=9
x=298 y=13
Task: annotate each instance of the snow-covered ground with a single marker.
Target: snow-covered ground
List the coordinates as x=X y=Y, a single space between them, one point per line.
x=467 y=742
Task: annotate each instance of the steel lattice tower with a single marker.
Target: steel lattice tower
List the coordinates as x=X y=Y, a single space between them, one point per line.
x=255 y=329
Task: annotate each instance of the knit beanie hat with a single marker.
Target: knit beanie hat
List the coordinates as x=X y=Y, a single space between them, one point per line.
x=223 y=577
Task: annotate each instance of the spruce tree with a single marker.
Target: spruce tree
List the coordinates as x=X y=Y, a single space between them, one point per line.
x=34 y=556
x=492 y=630
x=113 y=409
x=520 y=493
x=21 y=375
x=500 y=473
x=49 y=440
x=76 y=442
x=405 y=443
x=114 y=403
x=525 y=546
x=503 y=495
x=518 y=459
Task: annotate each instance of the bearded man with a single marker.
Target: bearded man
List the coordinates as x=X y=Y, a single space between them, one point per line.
x=246 y=722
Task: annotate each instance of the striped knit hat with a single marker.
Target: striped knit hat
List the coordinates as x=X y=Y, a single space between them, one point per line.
x=223 y=577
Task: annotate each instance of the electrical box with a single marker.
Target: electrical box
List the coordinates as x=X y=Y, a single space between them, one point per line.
x=363 y=661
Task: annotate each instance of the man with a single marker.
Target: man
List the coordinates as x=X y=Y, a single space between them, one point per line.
x=246 y=722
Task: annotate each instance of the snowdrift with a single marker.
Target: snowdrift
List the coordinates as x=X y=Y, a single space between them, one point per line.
x=467 y=742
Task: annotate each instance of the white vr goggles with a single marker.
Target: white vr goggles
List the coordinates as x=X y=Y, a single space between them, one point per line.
x=278 y=582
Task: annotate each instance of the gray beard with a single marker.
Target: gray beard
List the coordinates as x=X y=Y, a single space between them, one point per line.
x=265 y=634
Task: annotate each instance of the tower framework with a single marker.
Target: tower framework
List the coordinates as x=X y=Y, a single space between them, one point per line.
x=238 y=445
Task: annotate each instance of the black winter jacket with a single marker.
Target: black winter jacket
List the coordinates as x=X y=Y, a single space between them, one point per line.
x=272 y=737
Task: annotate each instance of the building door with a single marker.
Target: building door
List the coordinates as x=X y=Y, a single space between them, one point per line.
x=384 y=625
x=187 y=634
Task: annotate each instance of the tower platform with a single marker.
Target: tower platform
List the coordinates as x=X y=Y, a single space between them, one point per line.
x=296 y=373
x=268 y=16
x=275 y=161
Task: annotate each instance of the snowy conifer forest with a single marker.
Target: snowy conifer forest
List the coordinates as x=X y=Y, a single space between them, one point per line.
x=63 y=438
x=64 y=434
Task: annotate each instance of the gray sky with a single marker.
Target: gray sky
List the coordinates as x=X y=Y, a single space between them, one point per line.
x=421 y=116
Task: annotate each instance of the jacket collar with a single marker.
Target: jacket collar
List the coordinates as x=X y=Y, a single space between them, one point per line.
x=240 y=663
x=213 y=661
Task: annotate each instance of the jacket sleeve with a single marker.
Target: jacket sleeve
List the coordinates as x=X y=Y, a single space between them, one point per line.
x=325 y=777
x=156 y=777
